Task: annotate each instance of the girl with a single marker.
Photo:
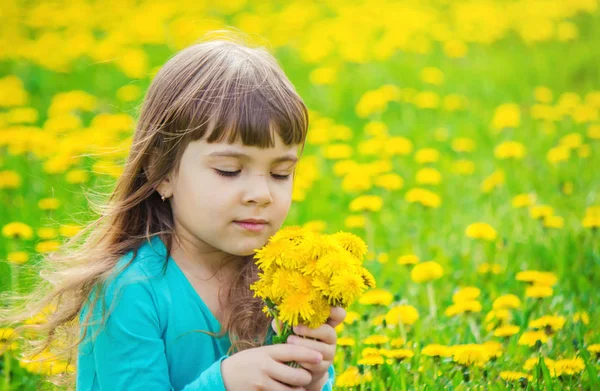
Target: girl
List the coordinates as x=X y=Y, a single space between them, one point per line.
x=158 y=294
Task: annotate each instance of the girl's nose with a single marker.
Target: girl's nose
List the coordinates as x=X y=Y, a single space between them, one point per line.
x=258 y=191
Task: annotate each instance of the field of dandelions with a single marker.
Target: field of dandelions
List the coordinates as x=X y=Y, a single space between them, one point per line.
x=459 y=139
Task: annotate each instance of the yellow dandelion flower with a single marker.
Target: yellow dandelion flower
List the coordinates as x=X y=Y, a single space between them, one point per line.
x=345 y=287
x=351 y=243
x=346 y=341
x=466 y=294
x=404 y=313
x=523 y=200
x=436 y=350
x=366 y=203
x=397 y=354
x=462 y=307
x=47 y=246
x=376 y=297
x=582 y=317
x=550 y=324
x=530 y=338
x=506 y=331
x=295 y=309
x=49 y=204
x=481 y=231
x=17 y=230
x=508 y=301
x=470 y=354
x=408 y=259
x=511 y=376
x=376 y=340
x=538 y=291
x=424 y=197
x=569 y=366
x=18 y=257
x=426 y=271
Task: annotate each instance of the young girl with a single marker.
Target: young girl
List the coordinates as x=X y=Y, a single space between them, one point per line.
x=159 y=292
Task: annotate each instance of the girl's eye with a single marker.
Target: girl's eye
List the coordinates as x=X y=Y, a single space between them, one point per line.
x=227 y=173
x=235 y=173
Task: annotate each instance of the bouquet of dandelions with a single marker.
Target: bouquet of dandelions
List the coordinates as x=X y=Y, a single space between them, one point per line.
x=303 y=274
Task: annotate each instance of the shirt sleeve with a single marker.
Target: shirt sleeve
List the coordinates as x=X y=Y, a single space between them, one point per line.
x=129 y=352
x=329 y=385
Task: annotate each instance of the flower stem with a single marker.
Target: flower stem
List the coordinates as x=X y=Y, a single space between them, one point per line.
x=474 y=329
x=7 y=370
x=431 y=296
x=369 y=232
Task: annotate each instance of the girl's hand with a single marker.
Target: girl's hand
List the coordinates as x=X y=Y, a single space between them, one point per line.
x=324 y=341
x=263 y=368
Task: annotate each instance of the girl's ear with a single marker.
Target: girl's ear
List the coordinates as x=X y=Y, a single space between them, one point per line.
x=165 y=186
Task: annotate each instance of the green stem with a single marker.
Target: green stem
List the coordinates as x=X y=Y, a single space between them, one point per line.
x=369 y=232
x=7 y=370
x=474 y=329
x=431 y=296
x=402 y=331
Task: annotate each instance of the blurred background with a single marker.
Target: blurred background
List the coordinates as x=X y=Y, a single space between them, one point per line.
x=463 y=133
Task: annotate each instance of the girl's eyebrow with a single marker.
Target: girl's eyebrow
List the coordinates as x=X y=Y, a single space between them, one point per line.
x=283 y=158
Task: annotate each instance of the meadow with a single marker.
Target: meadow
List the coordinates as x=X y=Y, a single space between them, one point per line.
x=457 y=138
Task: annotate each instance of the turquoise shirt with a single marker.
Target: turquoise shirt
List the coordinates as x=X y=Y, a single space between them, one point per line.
x=149 y=340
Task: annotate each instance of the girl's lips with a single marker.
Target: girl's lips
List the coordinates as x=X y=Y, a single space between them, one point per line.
x=254 y=227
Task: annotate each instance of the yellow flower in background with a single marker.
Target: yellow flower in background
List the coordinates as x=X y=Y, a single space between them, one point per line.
x=47 y=246
x=367 y=202
x=507 y=115
x=10 y=180
x=351 y=317
x=532 y=362
x=530 y=338
x=408 y=259
x=470 y=354
x=432 y=75
x=76 y=176
x=436 y=350
x=376 y=297
x=594 y=132
x=403 y=313
x=376 y=340
x=424 y=197
x=426 y=271
x=463 y=167
x=592 y=217
x=346 y=341
x=571 y=141
x=506 y=331
x=509 y=150
x=389 y=181
x=482 y=231
x=463 y=144
x=18 y=257
x=397 y=342
x=13 y=92
x=455 y=48
x=467 y=293
x=486 y=268
x=47 y=233
x=582 y=317
x=558 y=154
x=398 y=146
x=511 y=376
x=355 y=221
x=462 y=307
x=17 y=230
x=543 y=94
x=493 y=181
x=428 y=176
x=550 y=324
x=323 y=75
x=523 y=200
x=538 y=291
x=427 y=100
x=569 y=366
x=397 y=354
x=540 y=211
x=508 y=301
x=129 y=93
x=427 y=155
x=553 y=222
x=535 y=277
x=337 y=151
x=376 y=129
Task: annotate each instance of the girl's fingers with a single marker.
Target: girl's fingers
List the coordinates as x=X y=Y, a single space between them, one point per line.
x=337 y=316
x=325 y=333
x=328 y=351
x=296 y=377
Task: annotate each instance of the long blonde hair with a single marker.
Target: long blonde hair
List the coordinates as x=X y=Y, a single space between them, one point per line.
x=220 y=89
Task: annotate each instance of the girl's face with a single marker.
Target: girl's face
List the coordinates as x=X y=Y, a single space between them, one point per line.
x=219 y=185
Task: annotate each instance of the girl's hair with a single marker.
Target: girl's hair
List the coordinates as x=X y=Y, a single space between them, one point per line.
x=220 y=89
